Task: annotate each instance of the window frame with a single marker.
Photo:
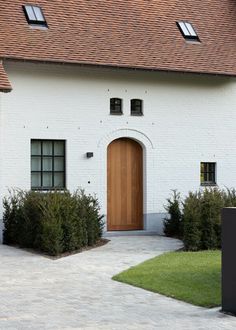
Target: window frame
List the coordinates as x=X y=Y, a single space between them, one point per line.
x=133 y=111
x=114 y=111
x=34 y=22
x=41 y=171
x=208 y=172
x=190 y=36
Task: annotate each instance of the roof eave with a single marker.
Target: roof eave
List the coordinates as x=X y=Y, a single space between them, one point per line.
x=119 y=66
x=5 y=90
x=5 y=85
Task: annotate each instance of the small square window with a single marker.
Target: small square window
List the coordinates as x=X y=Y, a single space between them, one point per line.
x=208 y=174
x=187 y=31
x=34 y=15
x=116 y=106
x=47 y=164
x=136 y=107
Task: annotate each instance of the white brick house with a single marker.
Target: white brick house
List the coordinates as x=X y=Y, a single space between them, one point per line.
x=187 y=119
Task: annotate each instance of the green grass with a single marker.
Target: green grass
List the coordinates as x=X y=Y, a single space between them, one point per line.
x=193 y=277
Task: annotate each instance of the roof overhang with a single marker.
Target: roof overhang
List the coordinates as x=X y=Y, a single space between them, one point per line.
x=5 y=85
x=118 y=66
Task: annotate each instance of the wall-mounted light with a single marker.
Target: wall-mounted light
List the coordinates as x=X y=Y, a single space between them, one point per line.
x=89 y=154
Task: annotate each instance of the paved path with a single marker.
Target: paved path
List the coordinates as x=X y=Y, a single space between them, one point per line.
x=77 y=292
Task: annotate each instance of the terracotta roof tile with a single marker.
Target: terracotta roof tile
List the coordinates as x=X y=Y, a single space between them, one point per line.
x=137 y=34
x=5 y=85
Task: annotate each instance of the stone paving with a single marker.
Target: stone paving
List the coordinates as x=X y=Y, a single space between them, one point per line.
x=77 y=292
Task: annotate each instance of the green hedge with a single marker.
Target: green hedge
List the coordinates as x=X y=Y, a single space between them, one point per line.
x=173 y=223
x=53 y=222
x=197 y=218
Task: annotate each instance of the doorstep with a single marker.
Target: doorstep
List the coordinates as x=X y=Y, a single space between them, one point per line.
x=130 y=233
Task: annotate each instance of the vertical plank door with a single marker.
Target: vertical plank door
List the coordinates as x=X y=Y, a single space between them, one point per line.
x=124 y=185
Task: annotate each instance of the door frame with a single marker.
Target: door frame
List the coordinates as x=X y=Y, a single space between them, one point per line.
x=148 y=148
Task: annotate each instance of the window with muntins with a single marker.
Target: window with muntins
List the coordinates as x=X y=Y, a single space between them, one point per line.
x=136 y=107
x=47 y=164
x=34 y=15
x=187 y=31
x=116 y=106
x=208 y=173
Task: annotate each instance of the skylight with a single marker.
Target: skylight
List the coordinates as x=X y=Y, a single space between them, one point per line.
x=187 y=31
x=34 y=15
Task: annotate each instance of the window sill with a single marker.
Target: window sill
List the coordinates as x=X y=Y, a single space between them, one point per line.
x=206 y=184
x=116 y=114
x=47 y=189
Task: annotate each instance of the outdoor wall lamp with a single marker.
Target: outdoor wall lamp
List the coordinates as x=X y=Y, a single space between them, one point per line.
x=89 y=154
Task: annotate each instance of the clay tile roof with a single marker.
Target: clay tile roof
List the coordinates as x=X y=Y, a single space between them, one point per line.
x=5 y=85
x=130 y=33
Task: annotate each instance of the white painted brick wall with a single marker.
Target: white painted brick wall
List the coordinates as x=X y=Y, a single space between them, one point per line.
x=187 y=119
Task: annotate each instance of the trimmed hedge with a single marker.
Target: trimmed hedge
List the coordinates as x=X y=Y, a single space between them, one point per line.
x=173 y=223
x=197 y=218
x=53 y=222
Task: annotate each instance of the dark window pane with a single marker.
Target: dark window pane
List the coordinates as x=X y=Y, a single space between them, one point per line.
x=115 y=106
x=47 y=148
x=136 y=107
x=59 y=180
x=36 y=164
x=35 y=148
x=47 y=163
x=35 y=180
x=59 y=164
x=208 y=173
x=59 y=148
x=47 y=180
x=47 y=169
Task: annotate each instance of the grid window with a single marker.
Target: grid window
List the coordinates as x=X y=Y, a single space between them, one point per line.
x=34 y=15
x=136 y=107
x=187 y=31
x=47 y=164
x=116 y=106
x=208 y=173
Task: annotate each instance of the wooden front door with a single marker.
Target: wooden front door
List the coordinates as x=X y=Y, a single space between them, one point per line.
x=125 y=185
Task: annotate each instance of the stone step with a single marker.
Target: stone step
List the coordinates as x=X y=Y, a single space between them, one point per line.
x=129 y=233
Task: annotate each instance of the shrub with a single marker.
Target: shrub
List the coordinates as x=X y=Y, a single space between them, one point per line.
x=201 y=217
x=229 y=197
x=89 y=207
x=211 y=204
x=173 y=223
x=28 y=210
x=51 y=236
x=192 y=222
x=52 y=222
x=10 y=218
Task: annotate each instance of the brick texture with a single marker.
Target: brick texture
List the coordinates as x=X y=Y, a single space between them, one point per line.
x=187 y=119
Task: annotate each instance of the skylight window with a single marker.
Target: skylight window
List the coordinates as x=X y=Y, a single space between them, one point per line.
x=187 y=31
x=34 y=15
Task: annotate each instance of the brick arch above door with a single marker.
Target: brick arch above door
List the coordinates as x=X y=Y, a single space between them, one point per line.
x=139 y=136
x=149 y=152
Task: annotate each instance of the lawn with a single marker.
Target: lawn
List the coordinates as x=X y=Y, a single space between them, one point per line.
x=193 y=277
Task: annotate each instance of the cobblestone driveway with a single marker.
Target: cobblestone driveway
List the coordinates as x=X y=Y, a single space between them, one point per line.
x=77 y=292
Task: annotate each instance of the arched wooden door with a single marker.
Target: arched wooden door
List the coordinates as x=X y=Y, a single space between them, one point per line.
x=124 y=185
